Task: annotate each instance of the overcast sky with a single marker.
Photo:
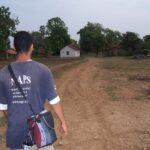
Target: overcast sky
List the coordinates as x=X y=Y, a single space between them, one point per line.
x=122 y=15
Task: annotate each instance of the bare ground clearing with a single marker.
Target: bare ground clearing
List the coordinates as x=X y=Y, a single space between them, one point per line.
x=102 y=110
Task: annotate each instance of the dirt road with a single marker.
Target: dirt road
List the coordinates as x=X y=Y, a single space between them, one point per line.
x=96 y=122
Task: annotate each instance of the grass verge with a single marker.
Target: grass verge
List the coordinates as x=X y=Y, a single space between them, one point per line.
x=139 y=77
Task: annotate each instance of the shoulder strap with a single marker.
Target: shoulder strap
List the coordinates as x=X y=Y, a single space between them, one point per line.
x=19 y=86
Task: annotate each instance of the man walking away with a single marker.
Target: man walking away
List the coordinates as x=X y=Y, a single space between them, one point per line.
x=38 y=85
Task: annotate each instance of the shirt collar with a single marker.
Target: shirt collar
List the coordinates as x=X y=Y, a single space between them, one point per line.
x=29 y=60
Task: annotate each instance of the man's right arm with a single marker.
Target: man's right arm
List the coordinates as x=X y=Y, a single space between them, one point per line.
x=60 y=114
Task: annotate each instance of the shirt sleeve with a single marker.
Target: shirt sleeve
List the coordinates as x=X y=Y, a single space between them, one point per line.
x=50 y=90
x=3 y=101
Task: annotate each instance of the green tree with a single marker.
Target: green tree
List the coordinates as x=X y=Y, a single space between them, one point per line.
x=37 y=38
x=41 y=42
x=112 y=38
x=7 y=26
x=91 y=38
x=42 y=31
x=112 y=41
x=131 y=42
x=58 y=34
x=146 y=40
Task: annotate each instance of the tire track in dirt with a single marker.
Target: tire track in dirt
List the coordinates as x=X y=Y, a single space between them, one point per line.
x=83 y=101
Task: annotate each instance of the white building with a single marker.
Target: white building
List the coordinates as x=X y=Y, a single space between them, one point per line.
x=70 y=51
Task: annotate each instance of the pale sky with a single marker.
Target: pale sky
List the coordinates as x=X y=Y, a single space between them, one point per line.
x=122 y=15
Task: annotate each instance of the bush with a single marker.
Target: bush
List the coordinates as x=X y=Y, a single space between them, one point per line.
x=145 y=52
x=122 y=52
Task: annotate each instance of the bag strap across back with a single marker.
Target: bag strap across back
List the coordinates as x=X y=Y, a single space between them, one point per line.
x=19 y=86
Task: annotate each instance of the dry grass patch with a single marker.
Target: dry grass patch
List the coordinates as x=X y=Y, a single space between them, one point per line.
x=139 y=77
x=126 y=78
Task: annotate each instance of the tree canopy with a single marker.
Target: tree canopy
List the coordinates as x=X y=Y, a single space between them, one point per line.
x=52 y=37
x=58 y=34
x=91 y=38
x=7 y=26
x=95 y=38
x=146 y=40
x=112 y=38
x=131 y=40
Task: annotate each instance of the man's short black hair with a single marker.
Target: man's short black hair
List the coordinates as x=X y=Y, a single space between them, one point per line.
x=22 y=42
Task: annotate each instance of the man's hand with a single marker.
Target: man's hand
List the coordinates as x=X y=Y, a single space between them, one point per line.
x=63 y=130
x=59 y=111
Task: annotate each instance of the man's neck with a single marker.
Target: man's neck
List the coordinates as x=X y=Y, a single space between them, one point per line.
x=23 y=57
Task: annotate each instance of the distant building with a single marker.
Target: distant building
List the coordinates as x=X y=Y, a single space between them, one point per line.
x=71 y=50
x=10 y=53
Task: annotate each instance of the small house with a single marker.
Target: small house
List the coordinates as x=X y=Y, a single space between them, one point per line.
x=71 y=50
x=10 y=53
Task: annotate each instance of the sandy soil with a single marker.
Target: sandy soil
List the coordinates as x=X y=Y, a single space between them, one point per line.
x=95 y=121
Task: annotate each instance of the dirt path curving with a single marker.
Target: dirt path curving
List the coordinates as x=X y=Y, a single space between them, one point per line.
x=95 y=122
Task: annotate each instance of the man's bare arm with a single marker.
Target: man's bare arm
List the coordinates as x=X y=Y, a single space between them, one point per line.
x=59 y=112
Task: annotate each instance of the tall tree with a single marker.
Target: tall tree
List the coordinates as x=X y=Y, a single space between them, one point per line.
x=91 y=38
x=42 y=31
x=58 y=34
x=131 y=41
x=41 y=41
x=146 y=40
x=7 y=26
x=37 y=38
x=112 y=38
